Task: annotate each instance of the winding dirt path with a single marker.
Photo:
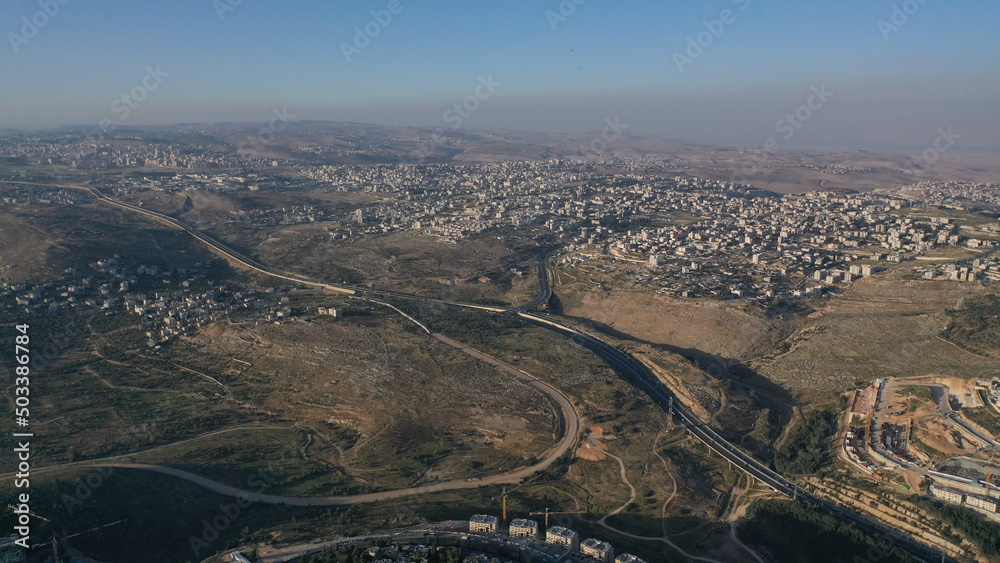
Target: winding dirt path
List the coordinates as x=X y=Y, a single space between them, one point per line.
x=666 y=467
x=735 y=514
x=631 y=498
x=103 y=462
x=665 y=538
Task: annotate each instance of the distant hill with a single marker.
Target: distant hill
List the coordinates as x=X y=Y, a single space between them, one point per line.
x=783 y=171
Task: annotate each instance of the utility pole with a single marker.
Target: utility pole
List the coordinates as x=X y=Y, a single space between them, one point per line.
x=670 y=413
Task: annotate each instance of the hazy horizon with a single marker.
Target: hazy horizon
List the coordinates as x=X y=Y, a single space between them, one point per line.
x=730 y=72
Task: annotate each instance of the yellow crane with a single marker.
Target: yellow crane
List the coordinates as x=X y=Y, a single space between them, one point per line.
x=504 y=494
x=503 y=500
x=504 y=505
x=547 y=513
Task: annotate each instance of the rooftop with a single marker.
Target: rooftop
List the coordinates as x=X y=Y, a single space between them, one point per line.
x=561 y=532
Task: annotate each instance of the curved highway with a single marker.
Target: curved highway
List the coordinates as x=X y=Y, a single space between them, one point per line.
x=639 y=375
x=569 y=425
x=544 y=288
x=629 y=367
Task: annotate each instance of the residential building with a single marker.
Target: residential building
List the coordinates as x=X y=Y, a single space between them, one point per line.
x=599 y=550
x=988 y=505
x=947 y=494
x=557 y=535
x=521 y=528
x=483 y=523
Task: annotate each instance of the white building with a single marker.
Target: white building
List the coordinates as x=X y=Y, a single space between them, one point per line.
x=988 y=505
x=483 y=523
x=628 y=558
x=602 y=551
x=557 y=535
x=521 y=528
x=947 y=494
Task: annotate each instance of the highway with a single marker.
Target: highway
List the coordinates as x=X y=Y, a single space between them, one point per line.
x=641 y=377
x=544 y=287
x=634 y=371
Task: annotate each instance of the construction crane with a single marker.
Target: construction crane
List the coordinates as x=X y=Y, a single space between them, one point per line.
x=503 y=500
x=12 y=507
x=55 y=541
x=504 y=494
x=547 y=514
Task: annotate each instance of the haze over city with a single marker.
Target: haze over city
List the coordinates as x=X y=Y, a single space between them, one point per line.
x=546 y=281
x=723 y=72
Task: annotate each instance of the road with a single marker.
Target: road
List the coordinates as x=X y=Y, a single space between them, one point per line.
x=640 y=376
x=544 y=287
x=569 y=418
x=106 y=461
x=626 y=365
x=568 y=431
x=255 y=496
x=569 y=425
x=445 y=532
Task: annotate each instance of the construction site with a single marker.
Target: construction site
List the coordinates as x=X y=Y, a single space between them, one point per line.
x=915 y=428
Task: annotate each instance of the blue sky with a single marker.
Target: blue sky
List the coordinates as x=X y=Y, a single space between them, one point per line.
x=941 y=67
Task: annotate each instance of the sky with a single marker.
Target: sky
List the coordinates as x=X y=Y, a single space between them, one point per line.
x=845 y=74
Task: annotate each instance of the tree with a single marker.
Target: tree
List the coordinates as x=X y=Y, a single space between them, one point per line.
x=804 y=449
